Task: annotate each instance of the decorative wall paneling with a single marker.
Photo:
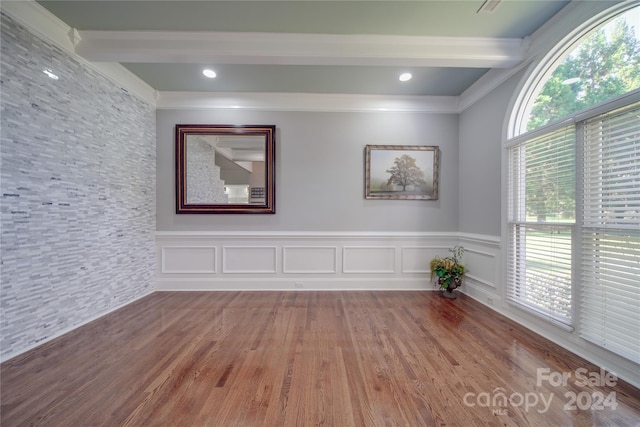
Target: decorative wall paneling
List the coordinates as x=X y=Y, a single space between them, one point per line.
x=483 y=259
x=317 y=261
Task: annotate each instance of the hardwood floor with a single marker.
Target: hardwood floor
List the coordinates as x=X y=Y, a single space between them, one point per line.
x=306 y=359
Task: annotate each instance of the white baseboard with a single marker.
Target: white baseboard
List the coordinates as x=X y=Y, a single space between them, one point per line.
x=622 y=368
x=297 y=284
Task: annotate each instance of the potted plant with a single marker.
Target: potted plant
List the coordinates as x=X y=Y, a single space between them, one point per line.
x=448 y=272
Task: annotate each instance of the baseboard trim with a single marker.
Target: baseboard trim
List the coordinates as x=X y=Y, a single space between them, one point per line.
x=299 y=284
x=623 y=369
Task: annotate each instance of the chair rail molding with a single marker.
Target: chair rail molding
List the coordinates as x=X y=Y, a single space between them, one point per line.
x=304 y=260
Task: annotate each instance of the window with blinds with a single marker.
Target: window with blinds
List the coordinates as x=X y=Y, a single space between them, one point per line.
x=610 y=232
x=576 y=239
x=541 y=223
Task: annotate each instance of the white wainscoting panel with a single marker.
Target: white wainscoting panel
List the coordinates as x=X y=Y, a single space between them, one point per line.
x=210 y=260
x=416 y=259
x=309 y=259
x=482 y=258
x=369 y=259
x=249 y=259
x=189 y=259
x=482 y=266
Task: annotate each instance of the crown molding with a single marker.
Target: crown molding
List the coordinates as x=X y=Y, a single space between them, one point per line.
x=486 y=84
x=504 y=56
x=571 y=21
x=45 y=25
x=299 y=49
x=40 y=22
x=309 y=102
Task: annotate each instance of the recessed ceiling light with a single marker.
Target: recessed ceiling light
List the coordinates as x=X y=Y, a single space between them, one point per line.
x=50 y=74
x=209 y=73
x=405 y=77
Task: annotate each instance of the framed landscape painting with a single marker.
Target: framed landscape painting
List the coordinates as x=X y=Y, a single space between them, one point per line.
x=402 y=172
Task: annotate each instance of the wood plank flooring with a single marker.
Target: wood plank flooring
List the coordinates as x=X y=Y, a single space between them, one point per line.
x=305 y=359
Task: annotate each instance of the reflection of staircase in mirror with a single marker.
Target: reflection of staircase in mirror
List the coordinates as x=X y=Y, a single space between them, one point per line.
x=203 y=182
x=237 y=193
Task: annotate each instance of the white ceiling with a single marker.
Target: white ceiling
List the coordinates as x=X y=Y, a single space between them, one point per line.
x=322 y=47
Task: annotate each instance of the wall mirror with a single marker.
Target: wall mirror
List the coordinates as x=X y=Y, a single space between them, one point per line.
x=225 y=169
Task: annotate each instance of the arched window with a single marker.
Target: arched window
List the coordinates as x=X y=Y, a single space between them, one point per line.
x=573 y=210
x=601 y=61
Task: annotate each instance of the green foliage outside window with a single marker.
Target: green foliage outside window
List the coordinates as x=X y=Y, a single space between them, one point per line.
x=605 y=65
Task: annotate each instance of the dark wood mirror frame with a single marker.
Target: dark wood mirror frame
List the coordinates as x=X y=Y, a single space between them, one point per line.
x=194 y=196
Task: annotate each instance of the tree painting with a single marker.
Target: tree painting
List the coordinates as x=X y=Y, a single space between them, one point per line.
x=401 y=172
x=405 y=172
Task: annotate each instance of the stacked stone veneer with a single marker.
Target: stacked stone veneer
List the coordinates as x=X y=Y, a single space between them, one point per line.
x=204 y=185
x=77 y=193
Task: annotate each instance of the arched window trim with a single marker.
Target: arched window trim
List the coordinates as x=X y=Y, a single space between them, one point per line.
x=542 y=71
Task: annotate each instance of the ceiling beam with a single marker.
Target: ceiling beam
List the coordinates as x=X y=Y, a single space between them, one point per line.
x=306 y=102
x=297 y=49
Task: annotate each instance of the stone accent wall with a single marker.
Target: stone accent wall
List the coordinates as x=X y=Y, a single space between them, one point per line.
x=204 y=185
x=77 y=195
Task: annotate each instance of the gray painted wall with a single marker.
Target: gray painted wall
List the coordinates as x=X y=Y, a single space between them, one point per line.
x=320 y=172
x=77 y=193
x=482 y=130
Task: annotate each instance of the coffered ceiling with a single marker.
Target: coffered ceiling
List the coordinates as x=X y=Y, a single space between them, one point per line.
x=321 y=47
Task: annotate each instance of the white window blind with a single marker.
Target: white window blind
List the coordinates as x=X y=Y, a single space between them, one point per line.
x=610 y=249
x=541 y=223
